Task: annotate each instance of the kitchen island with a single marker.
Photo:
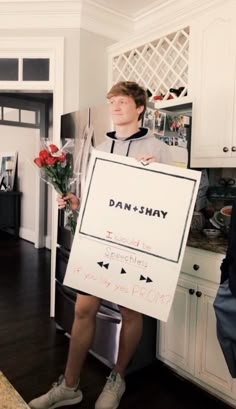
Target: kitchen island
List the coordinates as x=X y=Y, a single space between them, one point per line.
x=9 y=397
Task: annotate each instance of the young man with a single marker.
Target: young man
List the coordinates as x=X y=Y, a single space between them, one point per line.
x=127 y=105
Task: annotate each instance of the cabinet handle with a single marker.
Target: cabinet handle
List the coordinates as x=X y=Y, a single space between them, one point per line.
x=198 y=294
x=233 y=149
x=196 y=267
x=225 y=149
x=191 y=291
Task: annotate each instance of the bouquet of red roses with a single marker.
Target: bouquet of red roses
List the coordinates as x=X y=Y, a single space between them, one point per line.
x=56 y=169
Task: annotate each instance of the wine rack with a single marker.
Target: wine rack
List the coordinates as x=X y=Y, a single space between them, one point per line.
x=158 y=65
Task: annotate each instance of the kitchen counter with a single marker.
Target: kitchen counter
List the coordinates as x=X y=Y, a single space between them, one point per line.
x=9 y=397
x=200 y=241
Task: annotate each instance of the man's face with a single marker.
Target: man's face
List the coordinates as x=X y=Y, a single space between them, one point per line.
x=123 y=110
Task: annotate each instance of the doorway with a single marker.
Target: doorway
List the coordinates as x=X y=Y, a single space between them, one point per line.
x=31 y=115
x=26 y=121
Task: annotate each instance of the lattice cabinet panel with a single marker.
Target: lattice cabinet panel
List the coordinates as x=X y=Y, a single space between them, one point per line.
x=158 y=65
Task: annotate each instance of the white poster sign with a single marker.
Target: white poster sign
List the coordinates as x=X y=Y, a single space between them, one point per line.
x=131 y=232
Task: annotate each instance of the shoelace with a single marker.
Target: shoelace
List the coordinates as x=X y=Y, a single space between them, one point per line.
x=54 y=389
x=112 y=383
x=58 y=383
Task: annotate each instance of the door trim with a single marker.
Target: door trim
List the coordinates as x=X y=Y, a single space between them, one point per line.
x=52 y=48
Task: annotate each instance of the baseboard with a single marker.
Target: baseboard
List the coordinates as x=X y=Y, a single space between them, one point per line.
x=48 y=242
x=29 y=235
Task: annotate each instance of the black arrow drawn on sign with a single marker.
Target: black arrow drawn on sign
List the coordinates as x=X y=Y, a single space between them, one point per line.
x=101 y=264
x=123 y=271
x=142 y=278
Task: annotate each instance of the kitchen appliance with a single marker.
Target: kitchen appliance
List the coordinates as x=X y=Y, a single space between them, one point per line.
x=85 y=129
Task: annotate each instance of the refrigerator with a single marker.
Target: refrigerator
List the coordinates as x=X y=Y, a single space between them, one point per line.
x=81 y=131
x=173 y=127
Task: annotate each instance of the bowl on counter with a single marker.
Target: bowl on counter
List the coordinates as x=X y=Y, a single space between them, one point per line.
x=211 y=233
x=216 y=223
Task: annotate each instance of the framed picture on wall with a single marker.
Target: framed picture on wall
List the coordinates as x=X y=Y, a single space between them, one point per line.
x=159 y=123
x=8 y=161
x=2 y=184
x=148 y=119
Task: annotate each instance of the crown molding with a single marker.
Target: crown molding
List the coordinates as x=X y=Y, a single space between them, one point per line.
x=174 y=11
x=30 y=14
x=104 y=21
x=162 y=20
x=7 y=2
x=86 y=14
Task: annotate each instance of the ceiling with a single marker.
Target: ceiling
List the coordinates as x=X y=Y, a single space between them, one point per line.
x=130 y=8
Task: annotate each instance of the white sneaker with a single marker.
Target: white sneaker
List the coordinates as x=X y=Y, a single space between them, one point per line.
x=112 y=392
x=59 y=395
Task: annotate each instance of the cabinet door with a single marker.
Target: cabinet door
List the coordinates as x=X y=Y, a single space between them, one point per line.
x=213 y=109
x=210 y=364
x=177 y=335
x=233 y=145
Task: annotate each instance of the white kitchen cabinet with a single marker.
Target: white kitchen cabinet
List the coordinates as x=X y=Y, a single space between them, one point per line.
x=214 y=88
x=210 y=365
x=178 y=334
x=188 y=341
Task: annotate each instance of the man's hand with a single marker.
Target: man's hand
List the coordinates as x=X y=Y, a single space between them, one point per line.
x=146 y=159
x=71 y=198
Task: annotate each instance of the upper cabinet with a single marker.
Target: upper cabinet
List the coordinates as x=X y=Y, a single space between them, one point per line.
x=158 y=64
x=213 y=65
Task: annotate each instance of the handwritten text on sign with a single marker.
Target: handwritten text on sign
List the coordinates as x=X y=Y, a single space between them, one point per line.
x=131 y=232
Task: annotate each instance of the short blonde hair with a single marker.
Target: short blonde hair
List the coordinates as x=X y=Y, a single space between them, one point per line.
x=131 y=89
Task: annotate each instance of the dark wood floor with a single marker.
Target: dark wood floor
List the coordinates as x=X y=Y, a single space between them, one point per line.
x=33 y=353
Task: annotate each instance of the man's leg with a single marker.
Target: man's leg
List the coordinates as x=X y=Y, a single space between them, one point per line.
x=131 y=332
x=66 y=391
x=82 y=333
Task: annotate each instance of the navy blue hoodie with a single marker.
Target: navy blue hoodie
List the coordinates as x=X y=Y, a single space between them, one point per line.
x=228 y=266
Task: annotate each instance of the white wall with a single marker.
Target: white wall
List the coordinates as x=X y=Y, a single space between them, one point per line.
x=93 y=71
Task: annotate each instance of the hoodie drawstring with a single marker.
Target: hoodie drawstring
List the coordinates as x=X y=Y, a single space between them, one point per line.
x=113 y=145
x=127 y=153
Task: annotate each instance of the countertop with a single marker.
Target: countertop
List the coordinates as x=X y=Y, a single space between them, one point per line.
x=9 y=397
x=200 y=241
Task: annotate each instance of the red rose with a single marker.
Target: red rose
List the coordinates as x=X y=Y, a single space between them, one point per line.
x=38 y=162
x=53 y=148
x=50 y=161
x=44 y=154
x=62 y=157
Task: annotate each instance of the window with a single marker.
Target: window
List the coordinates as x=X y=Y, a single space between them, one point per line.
x=10 y=114
x=35 y=69
x=19 y=117
x=9 y=68
x=29 y=117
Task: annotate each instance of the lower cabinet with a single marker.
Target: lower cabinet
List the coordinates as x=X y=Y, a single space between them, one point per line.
x=188 y=341
x=10 y=211
x=210 y=366
x=177 y=336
